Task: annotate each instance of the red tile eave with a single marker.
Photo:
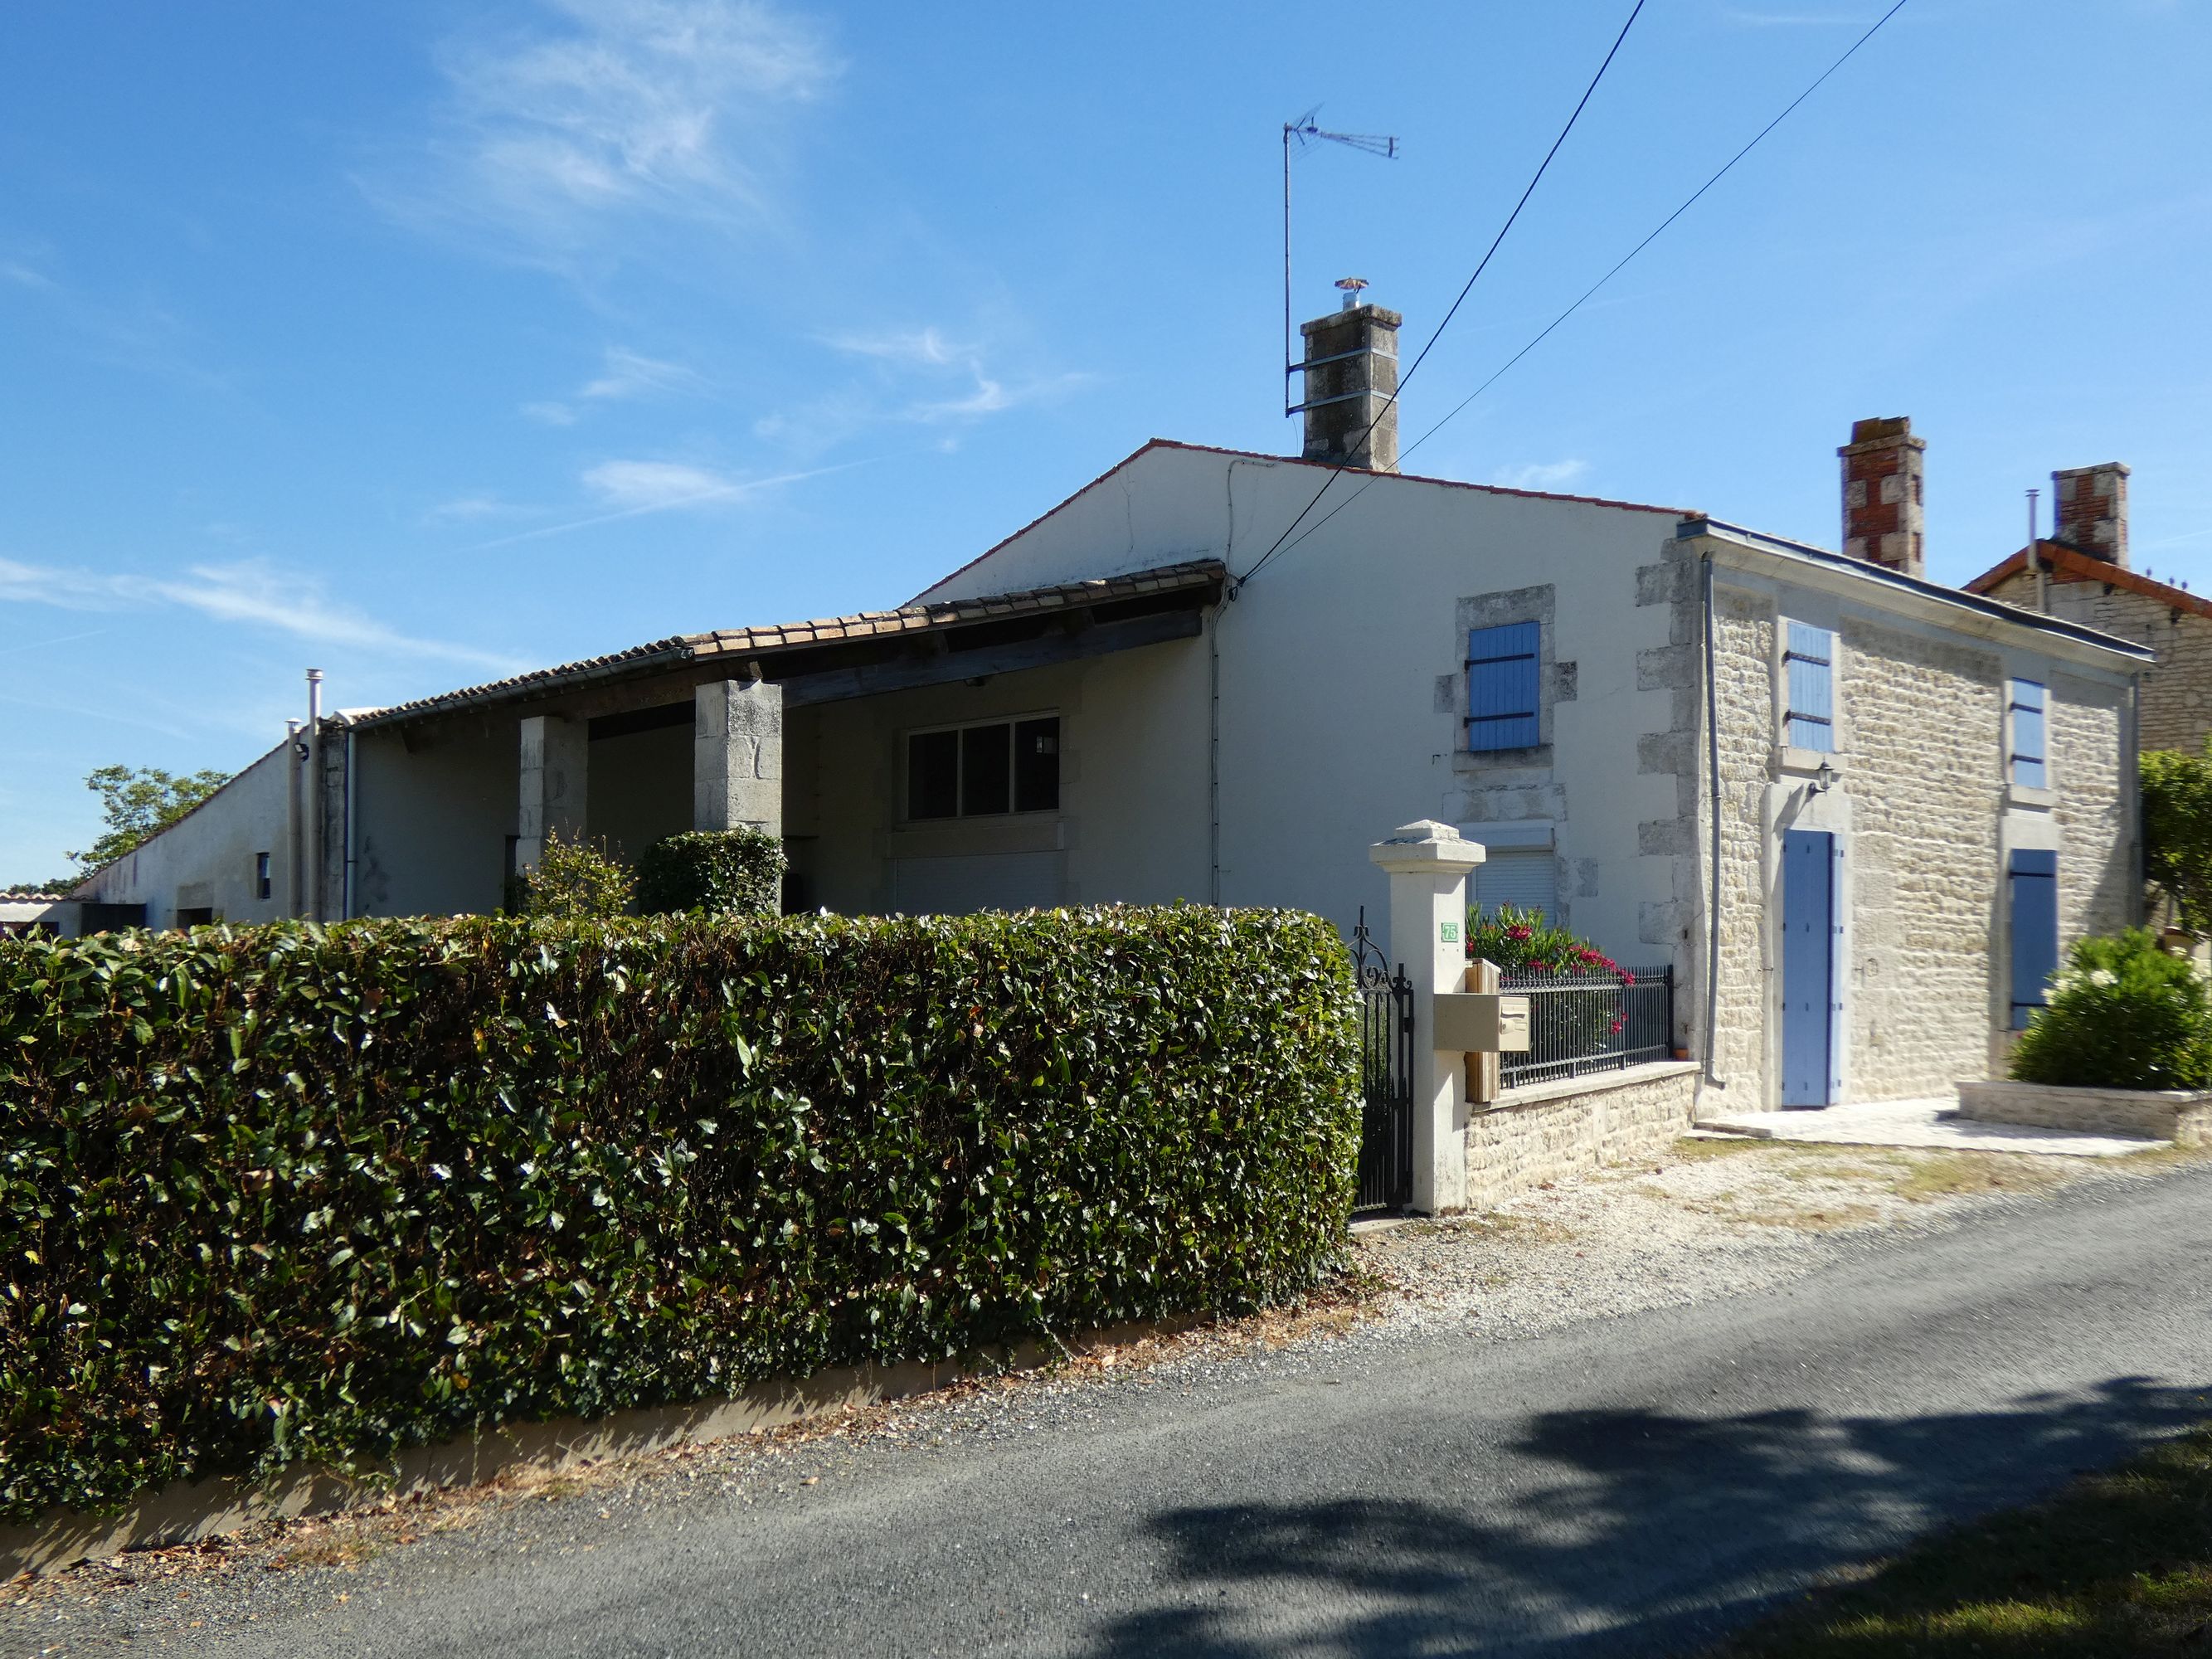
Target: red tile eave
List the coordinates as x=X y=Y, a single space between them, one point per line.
x=2069 y=563
x=1285 y=461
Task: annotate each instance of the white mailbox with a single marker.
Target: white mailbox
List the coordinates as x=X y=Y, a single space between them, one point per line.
x=1480 y=1021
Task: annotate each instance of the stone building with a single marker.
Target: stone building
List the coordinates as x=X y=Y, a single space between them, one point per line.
x=1855 y=812
x=2084 y=574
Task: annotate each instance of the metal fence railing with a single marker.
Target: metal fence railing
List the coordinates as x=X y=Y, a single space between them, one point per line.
x=1585 y=1023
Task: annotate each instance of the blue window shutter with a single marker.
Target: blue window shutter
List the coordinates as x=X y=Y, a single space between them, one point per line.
x=2034 y=882
x=1501 y=687
x=2029 y=726
x=1838 y=969
x=1809 y=658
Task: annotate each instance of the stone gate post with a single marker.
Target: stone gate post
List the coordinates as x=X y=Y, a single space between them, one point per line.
x=1428 y=863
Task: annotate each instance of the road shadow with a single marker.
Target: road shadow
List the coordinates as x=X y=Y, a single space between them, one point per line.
x=1655 y=1533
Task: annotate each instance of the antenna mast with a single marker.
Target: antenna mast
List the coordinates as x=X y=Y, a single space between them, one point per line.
x=1305 y=133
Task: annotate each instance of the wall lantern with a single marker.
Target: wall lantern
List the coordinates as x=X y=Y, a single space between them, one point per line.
x=1822 y=780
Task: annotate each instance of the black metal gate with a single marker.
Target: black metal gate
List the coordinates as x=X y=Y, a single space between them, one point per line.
x=1386 y=1124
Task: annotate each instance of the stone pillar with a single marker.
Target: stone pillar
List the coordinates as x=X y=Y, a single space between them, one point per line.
x=1428 y=863
x=736 y=756
x=554 y=754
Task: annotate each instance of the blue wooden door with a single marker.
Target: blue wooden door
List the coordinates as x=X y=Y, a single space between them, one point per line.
x=1812 y=1000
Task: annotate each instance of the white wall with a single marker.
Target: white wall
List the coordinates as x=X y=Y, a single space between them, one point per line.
x=1341 y=678
x=206 y=859
x=430 y=825
x=1132 y=823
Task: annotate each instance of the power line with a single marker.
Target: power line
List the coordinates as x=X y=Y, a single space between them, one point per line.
x=1534 y=179
x=1498 y=373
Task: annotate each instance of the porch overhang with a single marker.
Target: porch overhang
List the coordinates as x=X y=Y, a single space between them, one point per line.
x=834 y=658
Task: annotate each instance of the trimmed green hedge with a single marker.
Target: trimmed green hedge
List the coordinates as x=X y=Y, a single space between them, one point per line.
x=731 y=873
x=282 y=1193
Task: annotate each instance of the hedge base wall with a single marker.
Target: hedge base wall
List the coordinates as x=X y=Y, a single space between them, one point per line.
x=292 y=1195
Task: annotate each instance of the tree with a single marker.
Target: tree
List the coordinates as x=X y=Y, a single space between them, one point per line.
x=2177 y=801
x=140 y=802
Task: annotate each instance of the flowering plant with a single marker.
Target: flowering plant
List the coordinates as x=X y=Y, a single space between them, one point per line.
x=1525 y=942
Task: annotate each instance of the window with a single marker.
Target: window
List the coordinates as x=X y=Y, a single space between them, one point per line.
x=2034 y=890
x=2028 y=760
x=1501 y=687
x=1524 y=878
x=261 y=875
x=980 y=771
x=1808 y=663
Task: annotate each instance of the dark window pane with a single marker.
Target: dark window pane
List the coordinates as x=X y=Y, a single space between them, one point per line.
x=1036 y=765
x=932 y=774
x=984 y=769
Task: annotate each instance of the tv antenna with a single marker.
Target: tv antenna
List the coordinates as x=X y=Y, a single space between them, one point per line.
x=1305 y=133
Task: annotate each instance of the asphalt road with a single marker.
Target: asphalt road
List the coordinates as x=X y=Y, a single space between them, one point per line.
x=1622 y=1487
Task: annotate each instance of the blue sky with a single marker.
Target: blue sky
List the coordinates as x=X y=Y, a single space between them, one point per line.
x=421 y=342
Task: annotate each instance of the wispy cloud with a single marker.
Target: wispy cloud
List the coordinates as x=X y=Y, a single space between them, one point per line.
x=1540 y=474
x=922 y=376
x=624 y=375
x=634 y=489
x=609 y=109
x=252 y=593
x=920 y=346
x=475 y=509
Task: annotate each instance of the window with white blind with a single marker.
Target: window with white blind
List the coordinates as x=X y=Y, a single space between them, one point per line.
x=1527 y=878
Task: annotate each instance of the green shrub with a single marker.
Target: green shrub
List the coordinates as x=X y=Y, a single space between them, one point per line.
x=2123 y=1014
x=574 y=881
x=290 y=1193
x=721 y=871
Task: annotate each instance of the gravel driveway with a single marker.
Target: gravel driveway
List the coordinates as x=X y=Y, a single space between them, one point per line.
x=1711 y=1220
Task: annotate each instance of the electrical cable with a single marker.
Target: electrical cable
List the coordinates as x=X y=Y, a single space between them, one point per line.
x=1469 y=287
x=1587 y=293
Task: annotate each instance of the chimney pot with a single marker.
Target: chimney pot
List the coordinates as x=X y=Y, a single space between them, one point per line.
x=1351 y=382
x=2089 y=511
x=1883 y=516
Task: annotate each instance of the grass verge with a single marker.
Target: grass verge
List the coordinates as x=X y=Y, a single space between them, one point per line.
x=2116 y=1565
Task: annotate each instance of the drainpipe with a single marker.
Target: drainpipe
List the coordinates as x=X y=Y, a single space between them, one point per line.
x=346 y=905
x=1713 y=904
x=292 y=763
x=316 y=828
x=1213 y=753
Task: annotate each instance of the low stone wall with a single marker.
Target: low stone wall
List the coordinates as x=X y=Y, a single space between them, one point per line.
x=1551 y=1130
x=2176 y=1115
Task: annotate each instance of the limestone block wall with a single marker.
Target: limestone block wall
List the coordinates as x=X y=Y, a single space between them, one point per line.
x=2097 y=887
x=1743 y=650
x=1556 y=1130
x=2176 y=693
x=1925 y=773
x=1926 y=819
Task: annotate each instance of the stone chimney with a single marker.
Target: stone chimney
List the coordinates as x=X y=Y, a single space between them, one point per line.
x=1883 y=521
x=1351 y=371
x=2090 y=509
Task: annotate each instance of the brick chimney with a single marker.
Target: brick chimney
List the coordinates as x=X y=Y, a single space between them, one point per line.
x=1883 y=521
x=1351 y=371
x=2090 y=505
